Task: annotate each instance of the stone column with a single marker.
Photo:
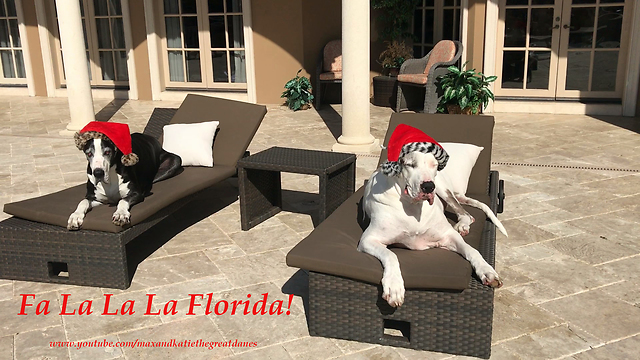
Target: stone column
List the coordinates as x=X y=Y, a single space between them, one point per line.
x=75 y=65
x=356 y=135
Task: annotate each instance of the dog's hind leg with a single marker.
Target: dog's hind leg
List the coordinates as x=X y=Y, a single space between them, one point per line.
x=487 y=274
x=392 y=282
x=482 y=206
x=170 y=165
x=77 y=217
x=464 y=218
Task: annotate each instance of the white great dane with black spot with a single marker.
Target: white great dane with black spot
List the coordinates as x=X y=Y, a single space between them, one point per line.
x=400 y=199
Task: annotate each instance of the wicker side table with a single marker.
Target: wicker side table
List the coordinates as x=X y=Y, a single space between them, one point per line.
x=261 y=189
x=385 y=89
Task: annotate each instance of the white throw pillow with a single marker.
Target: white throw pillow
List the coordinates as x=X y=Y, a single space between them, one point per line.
x=462 y=158
x=192 y=142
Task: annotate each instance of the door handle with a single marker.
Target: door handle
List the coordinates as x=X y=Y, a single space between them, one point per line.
x=565 y=26
x=556 y=26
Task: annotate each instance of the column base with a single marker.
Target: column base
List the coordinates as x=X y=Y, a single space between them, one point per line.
x=373 y=147
x=67 y=133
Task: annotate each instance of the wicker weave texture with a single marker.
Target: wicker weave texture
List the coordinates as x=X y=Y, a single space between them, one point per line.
x=430 y=319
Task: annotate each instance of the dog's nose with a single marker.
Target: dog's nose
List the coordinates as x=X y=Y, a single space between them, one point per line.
x=99 y=173
x=427 y=187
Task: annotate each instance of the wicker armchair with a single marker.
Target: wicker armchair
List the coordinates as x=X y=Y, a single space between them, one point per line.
x=329 y=68
x=424 y=72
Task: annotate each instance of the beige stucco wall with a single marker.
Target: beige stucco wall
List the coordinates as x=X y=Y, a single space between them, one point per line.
x=140 y=50
x=475 y=34
x=33 y=39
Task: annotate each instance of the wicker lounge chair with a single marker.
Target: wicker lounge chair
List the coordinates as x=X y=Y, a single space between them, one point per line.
x=328 y=69
x=423 y=73
x=36 y=246
x=446 y=308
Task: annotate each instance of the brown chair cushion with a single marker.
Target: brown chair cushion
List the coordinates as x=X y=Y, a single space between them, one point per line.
x=55 y=208
x=444 y=51
x=332 y=249
x=331 y=75
x=332 y=56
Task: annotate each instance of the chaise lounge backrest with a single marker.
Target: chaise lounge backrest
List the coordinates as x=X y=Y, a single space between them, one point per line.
x=476 y=130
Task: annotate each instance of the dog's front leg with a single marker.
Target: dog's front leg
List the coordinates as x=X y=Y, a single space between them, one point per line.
x=486 y=273
x=392 y=282
x=77 y=217
x=122 y=216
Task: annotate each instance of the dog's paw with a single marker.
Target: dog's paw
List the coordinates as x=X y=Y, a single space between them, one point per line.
x=490 y=278
x=464 y=224
x=121 y=217
x=75 y=221
x=393 y=289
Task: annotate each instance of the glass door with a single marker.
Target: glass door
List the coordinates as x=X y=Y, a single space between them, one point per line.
x=592 y=49
x=527 y=47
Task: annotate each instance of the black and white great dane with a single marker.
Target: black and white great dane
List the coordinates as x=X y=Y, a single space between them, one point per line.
x=112 y=178
x=400 y=199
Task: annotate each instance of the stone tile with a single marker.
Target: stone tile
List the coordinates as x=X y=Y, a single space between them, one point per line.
x=599 y=202
x=254 y=269
x=551 y=217
x=500 y=352
x=78 y=294
x=228 y=222
x=623 y=349
x=299 y=223
x=183 y=289
x=625 y=269
x=521 y=233
x=264 y=329
x=275 y=352
x=522 y=205
x=626 y=291
x=590 y=248
x=410 y=354
x=559 y=188
x=260 y=239
x=200 y=236
x=312 y=348
x=6 y=292
x=513 y=317
x=512 y=277
x=82 y=327
x=97 y=352
x=224 y=252
x=567 y=275
x=550 y=343
x=562 y=229
x=533 y=292
x=376 y=353
x=624 y=185
x=36 y=344
x=191 y=329
x=173 y=269
x=12 y=323
x=599 y=314
x=6 y=348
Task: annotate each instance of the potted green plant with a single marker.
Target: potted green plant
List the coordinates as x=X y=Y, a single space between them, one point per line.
x=298 y=92
x=464 y=91
x=394 y=56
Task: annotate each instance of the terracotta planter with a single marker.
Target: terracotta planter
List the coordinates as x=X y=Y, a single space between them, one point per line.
x=455 y=109
x=306 y=106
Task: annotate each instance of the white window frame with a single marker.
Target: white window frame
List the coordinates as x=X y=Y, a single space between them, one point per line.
x=206 y=64
x=23 y=47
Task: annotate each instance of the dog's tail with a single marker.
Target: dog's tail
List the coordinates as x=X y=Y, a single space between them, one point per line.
x=170 y=166
x=482 y=206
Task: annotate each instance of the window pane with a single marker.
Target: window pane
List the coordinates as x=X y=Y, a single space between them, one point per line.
x=189 y=7
x=581 y=33
x=190 y=31
x=81 y=8
x=513 y=70
x=448 y=2
x=238 y=67
x=236 y=34
x=584 y=1
x=609 y=27
x=219 y=59
x=216 y=31
x=428 y=3
x=538 y=70
x=20 y=64
x=542 y=2
x=176 y=67
x=216 y=6
x=2 y=13
x=4 y=34
x=605 y=67
x=174 y=39
x=104 y=35
x=193 y=66
x=11 y=8
x=428 y=26
x=234 y=5
x=15 y=34
x=115 y=7
x=541 y=24
x=171 y=7
x=106 y=64
x=517 y=2
x=515 y=25
x=100 y=8
x=417 y=24
x=578 y=70
x=84 y=32
x=7 y=64
x=118 y=33
x=121 y=66
x=447 y=24
x=417 y=51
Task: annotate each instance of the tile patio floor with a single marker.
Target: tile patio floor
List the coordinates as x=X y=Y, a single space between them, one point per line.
x=571 y=264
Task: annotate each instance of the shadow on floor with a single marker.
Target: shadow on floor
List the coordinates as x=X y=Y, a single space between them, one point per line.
x=298 y=285
x=206 y=204
x=628 y=123
x=332 y=119
x=110 y=109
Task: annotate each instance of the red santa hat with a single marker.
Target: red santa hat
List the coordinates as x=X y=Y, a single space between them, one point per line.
x=117 y=133
x=406 y=139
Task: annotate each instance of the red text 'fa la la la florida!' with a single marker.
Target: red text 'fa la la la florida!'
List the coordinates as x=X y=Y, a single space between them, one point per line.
x=198 y=304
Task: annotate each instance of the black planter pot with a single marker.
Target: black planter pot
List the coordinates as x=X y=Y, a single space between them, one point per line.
x=385 y=89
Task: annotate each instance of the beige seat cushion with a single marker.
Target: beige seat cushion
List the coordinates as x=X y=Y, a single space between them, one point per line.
x=413 y=78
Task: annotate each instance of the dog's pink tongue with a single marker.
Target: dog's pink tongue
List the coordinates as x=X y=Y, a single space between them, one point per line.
x=430 y=197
